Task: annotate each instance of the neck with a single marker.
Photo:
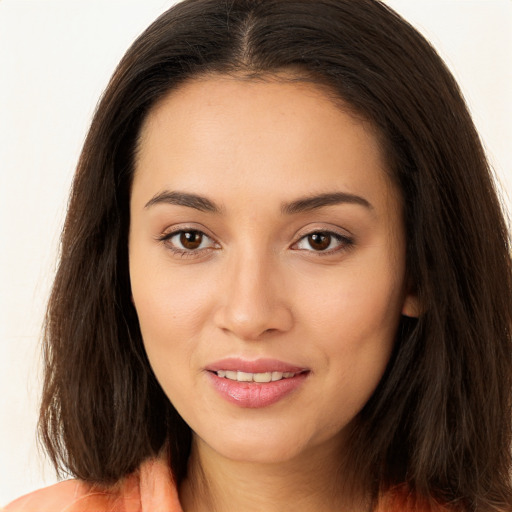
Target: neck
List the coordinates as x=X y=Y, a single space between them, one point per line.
x=315 y=481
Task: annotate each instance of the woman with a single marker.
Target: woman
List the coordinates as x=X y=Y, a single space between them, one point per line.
x=285 y=276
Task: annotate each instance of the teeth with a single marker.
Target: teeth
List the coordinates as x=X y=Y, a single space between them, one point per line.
x=244 y=377
x=254 y=377
x=262 y=377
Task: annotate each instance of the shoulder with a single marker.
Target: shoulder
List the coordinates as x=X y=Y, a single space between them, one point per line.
x=151 y=488
x=65 y=496
x=76 y=496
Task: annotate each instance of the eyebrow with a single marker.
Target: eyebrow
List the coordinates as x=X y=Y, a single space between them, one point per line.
x=184 y=199
x=313 y=202
x=300 y=205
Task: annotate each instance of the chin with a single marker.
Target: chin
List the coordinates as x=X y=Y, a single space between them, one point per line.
x=260 y=452
x=259 y=443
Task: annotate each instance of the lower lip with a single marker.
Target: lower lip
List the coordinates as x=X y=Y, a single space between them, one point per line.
x=255 y=394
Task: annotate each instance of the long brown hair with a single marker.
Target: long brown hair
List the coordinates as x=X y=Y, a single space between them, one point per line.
x=440 y=420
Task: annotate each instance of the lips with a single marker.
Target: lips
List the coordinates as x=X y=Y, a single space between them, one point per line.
x=254 y=377
x=257 y=366
x=257 y=383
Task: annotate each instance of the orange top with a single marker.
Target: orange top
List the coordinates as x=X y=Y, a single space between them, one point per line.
x=150 y=489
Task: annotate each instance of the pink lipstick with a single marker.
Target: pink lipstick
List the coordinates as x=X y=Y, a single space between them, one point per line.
x=254 y=384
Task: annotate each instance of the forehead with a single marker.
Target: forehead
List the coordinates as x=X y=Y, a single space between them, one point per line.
x=222 y=133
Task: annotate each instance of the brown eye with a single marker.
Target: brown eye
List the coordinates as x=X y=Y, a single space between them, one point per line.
x=319 y=241
x=188 y=242
x=191 y=239
x=327 y=242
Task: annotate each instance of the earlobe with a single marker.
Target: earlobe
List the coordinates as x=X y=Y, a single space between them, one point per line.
x=411 y=306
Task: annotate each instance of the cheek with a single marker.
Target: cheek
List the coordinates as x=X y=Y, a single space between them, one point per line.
x=172 y=307
x=168 y=303
x=357 y=304
x=168 y=322
x=355 y=332
x=355 y=324
x=162 y=312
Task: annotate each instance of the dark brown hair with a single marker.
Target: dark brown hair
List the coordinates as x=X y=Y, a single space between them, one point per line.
x=440 y=420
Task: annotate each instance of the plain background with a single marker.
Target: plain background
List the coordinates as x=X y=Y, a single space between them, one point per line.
x=55 y=59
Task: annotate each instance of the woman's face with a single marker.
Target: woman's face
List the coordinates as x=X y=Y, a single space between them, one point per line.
x=267 y=263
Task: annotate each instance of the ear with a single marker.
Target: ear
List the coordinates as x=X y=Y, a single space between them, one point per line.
x=411 y=306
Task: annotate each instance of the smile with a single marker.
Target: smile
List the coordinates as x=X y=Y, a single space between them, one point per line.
x=255 y=384
x=254 y=377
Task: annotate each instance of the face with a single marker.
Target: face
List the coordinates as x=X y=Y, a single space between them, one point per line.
x=267 y=263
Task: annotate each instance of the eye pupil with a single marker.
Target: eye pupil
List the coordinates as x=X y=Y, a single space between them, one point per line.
x=191 y=239
x=319 y=241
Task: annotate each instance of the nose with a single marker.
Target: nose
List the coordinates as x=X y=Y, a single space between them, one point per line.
x=253 y=302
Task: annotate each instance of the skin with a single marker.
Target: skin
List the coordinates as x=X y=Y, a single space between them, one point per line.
x=258 y=287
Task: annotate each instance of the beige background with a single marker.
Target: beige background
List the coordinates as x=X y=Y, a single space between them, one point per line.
x=55 y=59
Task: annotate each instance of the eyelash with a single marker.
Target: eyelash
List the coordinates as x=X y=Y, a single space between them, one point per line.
x=344 y=242
x=185 y=253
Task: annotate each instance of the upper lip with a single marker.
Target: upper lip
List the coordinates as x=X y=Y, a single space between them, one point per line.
x=256 y=366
